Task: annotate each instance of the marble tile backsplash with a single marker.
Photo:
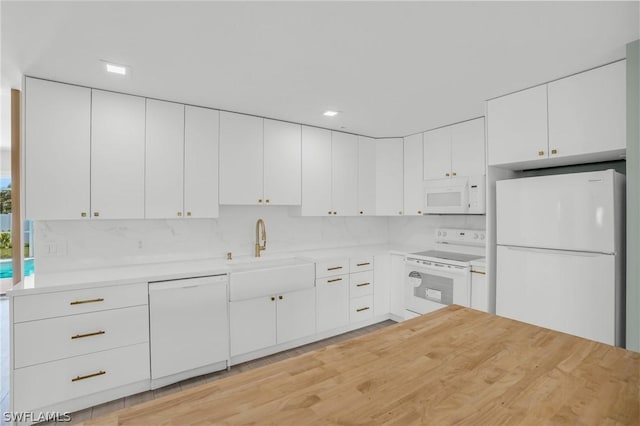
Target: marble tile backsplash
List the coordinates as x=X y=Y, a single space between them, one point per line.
x=73 y=245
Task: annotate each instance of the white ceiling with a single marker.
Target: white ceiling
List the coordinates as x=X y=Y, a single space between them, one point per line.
x=392 y=68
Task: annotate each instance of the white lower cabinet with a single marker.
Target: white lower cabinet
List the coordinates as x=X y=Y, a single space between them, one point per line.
x=71 y=345
x=480 y=296
x=396 y=286
x=332 y=296
x=270 y=320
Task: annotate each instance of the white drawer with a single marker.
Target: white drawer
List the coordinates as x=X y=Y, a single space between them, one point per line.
x=49 y=305
x=328 y=268
x=334 y=280
x=361 y=284
x=363 y=263
x=42 y=385
x=51 y=339
x=361 y=309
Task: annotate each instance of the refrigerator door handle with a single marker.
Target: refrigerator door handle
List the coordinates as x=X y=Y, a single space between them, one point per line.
x=558 y=252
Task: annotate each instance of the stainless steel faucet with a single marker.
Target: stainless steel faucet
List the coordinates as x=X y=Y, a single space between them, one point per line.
x=260 y=225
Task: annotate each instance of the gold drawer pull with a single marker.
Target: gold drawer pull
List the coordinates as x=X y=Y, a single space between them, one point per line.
x=95 y=333
x=80 y=302
x=362 y=285
x=334 y=268
x=334 y=280
x=540 y=153
x=479 y=272
x=363 y=264
x=88 y=376
x=554 y=151
x=362 y=309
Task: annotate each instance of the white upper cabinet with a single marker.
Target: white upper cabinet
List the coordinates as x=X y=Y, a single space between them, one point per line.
x=517 y=126
x=164 y=160
x=282 y=163
x=241 y=159
x=456 y=150
x=117 y=155
x=577 y=119
x=467 y=148
x=57 y=150
x=389 y=177
x=587 y=112
x=437 y=153
x=366 y=176
x=201 y=162
x=316 y=172
x=344 y=160
x=413 y=175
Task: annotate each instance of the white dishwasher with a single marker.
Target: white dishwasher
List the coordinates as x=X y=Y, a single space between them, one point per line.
x=189 y=327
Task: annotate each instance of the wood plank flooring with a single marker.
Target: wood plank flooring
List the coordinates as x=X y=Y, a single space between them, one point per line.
x=452 y=366
x=110 y=407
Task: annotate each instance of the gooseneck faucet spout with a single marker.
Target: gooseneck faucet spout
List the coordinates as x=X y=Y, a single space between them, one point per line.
x=260 y=227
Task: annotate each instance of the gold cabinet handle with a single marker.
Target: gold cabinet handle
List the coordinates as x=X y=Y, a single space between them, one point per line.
x=335 y=212
x=540 y=153
x=363 y=264
x=554 y=151
x=400 y=212
x=83 y=214
x=189 y=214
x=446 y=174
x=80 y=302
x=260 y=200
x=95 y=333
x=179 y=214
x=334 y=268
x=479 y=272
x=266 y=201
x=362 y=309
x=96 y=214
x=280 y=297
x=419 y=211
x=361 y=212
x=334 y=280
x=329 y=212
x=88 y=376
x=273 y=298
x=362 y=285
x=453 y=174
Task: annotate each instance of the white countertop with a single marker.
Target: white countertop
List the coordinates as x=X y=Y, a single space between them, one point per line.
x=120 y=275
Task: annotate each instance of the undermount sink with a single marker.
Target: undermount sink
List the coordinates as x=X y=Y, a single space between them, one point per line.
x=257 y=278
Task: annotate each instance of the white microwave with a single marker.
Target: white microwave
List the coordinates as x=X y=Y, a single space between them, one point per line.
x=456 y=195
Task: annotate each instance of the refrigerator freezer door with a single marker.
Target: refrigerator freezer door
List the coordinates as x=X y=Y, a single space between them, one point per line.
x=566 y=291
x=569 y=212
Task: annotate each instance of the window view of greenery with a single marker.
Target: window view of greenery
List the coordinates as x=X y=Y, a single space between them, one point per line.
x=6 y=250
x=5 y=229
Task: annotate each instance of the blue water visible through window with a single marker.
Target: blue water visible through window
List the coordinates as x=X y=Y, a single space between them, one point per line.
x=6 y=268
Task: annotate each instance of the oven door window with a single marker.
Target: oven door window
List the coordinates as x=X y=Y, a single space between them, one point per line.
x=436 y=288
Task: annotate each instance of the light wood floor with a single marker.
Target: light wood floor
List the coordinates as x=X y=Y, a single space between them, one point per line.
x=101 y=410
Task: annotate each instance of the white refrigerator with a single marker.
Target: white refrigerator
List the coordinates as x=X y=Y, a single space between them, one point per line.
x=560 y=253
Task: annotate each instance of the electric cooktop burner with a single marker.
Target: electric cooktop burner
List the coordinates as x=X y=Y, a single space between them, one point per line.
x=458 y=257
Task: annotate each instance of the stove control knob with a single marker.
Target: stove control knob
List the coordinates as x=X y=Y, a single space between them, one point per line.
x=475 y=236
x=482 y=236
x=444 y=233
x=439 y=233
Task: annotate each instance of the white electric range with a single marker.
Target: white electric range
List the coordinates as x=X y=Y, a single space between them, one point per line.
x=442 y=276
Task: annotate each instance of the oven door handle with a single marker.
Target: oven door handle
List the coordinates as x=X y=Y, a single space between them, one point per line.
x=438 y=269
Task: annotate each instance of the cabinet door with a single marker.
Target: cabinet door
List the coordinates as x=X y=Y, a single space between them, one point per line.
x=316 y=172
x=57 y=150
x=467 y=148
x=587 y=112
x=296 y=315
x=366 y=176
x=252 y=324
x=241 y=159
x=332 y=301
x=517 y=126
x=480 y=292
x=413 y=175
x=117 y=144
x=344 y=182
x=388 y=171
x=437 y=153
x=396 y=286
x=201 y=162
x=282 y=163
x=164 y=160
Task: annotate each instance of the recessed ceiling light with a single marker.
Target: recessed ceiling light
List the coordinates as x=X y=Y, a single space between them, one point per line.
x=116 y=69
x=330 y=113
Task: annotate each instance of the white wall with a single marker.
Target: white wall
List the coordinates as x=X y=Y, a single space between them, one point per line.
x=419 y=230
x=97 y=243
